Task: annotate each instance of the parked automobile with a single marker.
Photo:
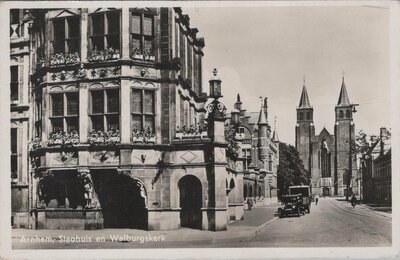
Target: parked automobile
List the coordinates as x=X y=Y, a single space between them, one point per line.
x=306 y=196
x=291 y=205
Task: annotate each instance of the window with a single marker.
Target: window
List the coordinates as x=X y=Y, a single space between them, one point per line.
x=270 y=162
x=106 y=31
x=301 y=116
x=105 y=110
x=247 y=156
x=341 y=114
x=142 y=109
x=66 y=35
x=348 y=114
x=65 y=112
x=14 y=152
x=241 y=130
x=38 y=118
x=14 y=16
x=142 y=34
x=14 y=85
x=308 y=116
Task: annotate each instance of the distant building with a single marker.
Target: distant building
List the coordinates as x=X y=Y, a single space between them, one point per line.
x=119 y=132
x=376 y=169
x=258 y=148
x=327 y=156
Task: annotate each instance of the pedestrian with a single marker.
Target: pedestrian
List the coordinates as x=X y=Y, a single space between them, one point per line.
x=353 y=201
x=249 y=204
x=316 y=200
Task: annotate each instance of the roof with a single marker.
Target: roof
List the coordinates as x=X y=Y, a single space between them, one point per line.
x=343 y=96
x=304 y=100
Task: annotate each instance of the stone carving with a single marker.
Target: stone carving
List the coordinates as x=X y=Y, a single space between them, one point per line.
x=87 y=183
x=105 y=72
x=80 y=73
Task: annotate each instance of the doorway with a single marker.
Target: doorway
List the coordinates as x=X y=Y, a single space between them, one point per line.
x=190 y=198
x=122 y=199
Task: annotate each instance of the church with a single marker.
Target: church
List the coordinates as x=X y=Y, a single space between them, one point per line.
x=332 y=167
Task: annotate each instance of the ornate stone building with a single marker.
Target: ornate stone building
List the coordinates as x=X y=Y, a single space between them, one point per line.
x=258 y=149
x=327 y=156
x=376 y=170
x=120 y=134
x=20 y=114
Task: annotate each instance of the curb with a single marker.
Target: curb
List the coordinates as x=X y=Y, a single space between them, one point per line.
x=257 y=230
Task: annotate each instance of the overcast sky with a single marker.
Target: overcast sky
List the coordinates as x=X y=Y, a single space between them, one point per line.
x=266 y=51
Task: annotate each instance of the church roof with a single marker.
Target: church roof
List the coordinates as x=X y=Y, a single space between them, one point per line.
x=304 y=101
x=343 y=96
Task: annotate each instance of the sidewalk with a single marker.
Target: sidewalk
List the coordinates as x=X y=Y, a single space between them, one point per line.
x=376 y=209
x=254 y=220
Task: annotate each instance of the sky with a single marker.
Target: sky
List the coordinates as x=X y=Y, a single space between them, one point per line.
x=268 y=51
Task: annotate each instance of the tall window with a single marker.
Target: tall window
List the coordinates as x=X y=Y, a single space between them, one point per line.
x=105 y=109
x=247 y=156
x=15 y=28
x=14 y=152
x=38 y=118
x=142 y=33
x=14 y=85
x=143 y=110
x=106 y=30
x=270 y=162
x=65 y=112
x=341 y=114
x=66 y=35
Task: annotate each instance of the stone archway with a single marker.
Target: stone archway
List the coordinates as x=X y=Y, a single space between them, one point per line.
x=122 y=199
x=190 y=199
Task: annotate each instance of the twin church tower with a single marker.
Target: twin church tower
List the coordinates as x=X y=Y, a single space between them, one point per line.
x=327 y=157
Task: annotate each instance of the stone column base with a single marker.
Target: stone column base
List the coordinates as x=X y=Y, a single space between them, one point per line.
x=215 y=219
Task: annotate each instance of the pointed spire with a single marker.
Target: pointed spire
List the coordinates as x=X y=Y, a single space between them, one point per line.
x=238 y=104
x=262 y=119
x=304 y=101
x=238 y=98
x=343 y=96
x=275 y=134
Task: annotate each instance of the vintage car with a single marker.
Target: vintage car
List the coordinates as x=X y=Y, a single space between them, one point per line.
x=291 y=205
x=304 y=190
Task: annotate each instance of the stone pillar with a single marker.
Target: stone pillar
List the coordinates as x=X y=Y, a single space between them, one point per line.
x=125 y=34
x=84 y=34
x=46 y=128
x=83 y=112
x=125 y=105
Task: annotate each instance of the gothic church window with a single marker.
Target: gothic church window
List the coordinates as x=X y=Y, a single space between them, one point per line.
x=308 y=116
x=301 y=116
x=325 y=160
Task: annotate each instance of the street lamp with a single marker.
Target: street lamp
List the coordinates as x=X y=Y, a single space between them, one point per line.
x=215 y=85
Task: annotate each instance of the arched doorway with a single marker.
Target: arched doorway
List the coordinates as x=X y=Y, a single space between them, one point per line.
x=122 y=199
x=325 y=191
x=245 y=192
x=190 y=198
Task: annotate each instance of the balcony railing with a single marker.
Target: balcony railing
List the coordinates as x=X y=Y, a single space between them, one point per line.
x=63 y=138
x=64 y=58
x=96 y=55
x=191 y=132
x=100 y=137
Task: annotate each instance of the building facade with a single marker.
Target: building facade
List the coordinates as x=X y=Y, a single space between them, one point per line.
x=332 y=167
x=376 y=170
x=20 y=27
x=258 y=149
x=120 y=134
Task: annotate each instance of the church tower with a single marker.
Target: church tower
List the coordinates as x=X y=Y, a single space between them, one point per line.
x=305 y=130
x=345 y=163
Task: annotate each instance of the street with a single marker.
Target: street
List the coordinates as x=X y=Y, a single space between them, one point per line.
x=332 y=223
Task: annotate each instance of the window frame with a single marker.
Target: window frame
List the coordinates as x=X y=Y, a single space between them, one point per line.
x=14 y=85
x=64 y=117
x=106 y=34
x=144 y=114
x=67 y=39
x=14 y=154
x=141 y=36
x=105 y=115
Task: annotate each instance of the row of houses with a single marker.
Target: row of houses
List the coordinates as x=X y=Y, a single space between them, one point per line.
x=111 y=127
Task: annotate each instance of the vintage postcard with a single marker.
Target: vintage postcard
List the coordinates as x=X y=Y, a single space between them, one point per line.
x=199 y=129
